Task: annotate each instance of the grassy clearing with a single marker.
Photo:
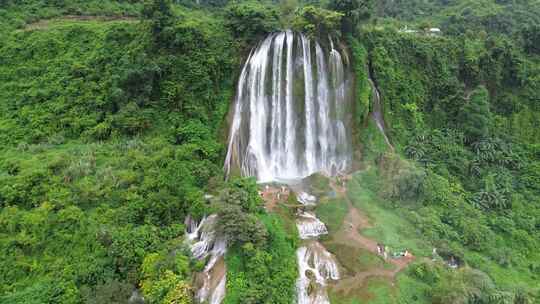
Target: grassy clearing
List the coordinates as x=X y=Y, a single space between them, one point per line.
x=372 y=141
x=374 y=291
x=398 y=233
x=356 y=260
x=288 y=219
x=505 y=277
x=378 y=290
x=412 y=290
x=319 y=185
x=332 y=212
x=382 y=291
x=388 y=227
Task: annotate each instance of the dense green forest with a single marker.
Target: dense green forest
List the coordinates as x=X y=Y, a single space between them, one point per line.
x=113 y=127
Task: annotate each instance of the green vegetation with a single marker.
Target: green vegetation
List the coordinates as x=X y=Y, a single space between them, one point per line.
x=261 y=264
x=110 y=134
x=163 y=278
x=332 y=212
x=375 y=290
x=112 y=120
x=266 y=274
x=252 y=20
x=15 y=14
x=317 y=22
x=389 y=227
x=356 y=260
x=461 y=113
x=459 y=17
x=354 y=12
x=476 y=116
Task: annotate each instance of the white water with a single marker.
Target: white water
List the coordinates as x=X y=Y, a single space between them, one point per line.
x=290 y=111
x=306 y=199
x=202 y=240
x=377 y=111
x=309 y=226
x=219 y=293
x=316 y=266
x=291 y=116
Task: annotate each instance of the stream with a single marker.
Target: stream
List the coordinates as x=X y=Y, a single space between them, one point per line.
x=203 y=243
x=316 y=266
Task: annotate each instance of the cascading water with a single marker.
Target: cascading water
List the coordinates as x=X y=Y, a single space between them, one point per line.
x=377 y=111
x=316 y=266
x=291 y=111
x=306 y=199
x=290 y=120
x=203 y=242
x=309 y=226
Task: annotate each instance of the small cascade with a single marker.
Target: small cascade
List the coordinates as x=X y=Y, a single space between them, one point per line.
x=291 y=111
x=136 y=297
x=202 y=237
x=376 y=113
x=203 y=243
x=306 y=199
x=219 y=292
x=316 y=266
x=309 y=226
x=192 y=228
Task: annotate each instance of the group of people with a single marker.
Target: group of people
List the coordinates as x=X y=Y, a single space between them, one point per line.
x=341 y=180
x=451 y=262
x=283 y=192
x=383 y=250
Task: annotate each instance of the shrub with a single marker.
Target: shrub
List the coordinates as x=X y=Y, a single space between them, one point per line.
x=240 y=228
x=427 y=272
x=354 y=11
x=476 y=118
x=251 y=20
x=317 y=22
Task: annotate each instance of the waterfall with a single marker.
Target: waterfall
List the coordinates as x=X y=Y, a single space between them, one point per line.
x=377 y=111
x=317 y=266
x=291 y=118
x=306 y=199
x=290 y=122
x=309 y=226
x=291 y=111
x=203 y=242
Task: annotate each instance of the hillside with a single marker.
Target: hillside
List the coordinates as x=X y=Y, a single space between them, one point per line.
x=114 y=126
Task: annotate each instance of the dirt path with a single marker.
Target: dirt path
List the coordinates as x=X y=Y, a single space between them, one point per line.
x=46 y=23
x=349 y=235
x=271 y=199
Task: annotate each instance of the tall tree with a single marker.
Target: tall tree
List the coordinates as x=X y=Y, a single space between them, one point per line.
x=476 y=115
x=287 y=7
x=354 y=12
x=159 y=17
x=531 y=39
